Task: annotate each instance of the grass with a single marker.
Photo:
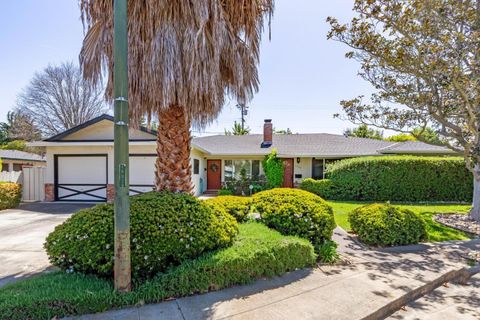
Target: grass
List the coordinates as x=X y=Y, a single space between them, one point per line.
x=257 y=252
x=436 y=231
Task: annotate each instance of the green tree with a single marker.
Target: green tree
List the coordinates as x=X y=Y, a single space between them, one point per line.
x=401 y=137
x=237 y=130
x=282 y=131
x=428 y=135
x=363 y=131
x=422 y=57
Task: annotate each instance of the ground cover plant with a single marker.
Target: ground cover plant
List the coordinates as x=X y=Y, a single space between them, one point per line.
x=256 y=252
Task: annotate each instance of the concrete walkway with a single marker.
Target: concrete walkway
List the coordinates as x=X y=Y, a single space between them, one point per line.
x=350 y=291
x=22 y=234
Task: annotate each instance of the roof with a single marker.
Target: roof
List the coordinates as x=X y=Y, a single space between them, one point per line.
x=415 y=147
x=20 y=155
x=310 y=145
x=102 y=117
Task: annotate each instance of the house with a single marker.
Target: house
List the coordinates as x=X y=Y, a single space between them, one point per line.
x=80 y=160
x=14 y=160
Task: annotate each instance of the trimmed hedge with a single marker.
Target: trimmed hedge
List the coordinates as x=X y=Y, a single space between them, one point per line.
x=400 y=178
x=10 y=195
x=296 y=212
x=166 y=229
x=257 y=252
x=322 y=188
x=387 y=225
x=238 y=207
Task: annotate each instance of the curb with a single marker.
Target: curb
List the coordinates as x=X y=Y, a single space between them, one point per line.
x=460 y=276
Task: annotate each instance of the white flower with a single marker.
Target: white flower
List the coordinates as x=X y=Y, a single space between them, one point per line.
x=107 y=246
x=146 y=257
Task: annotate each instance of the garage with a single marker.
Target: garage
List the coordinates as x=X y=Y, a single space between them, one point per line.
x=81 y=177
x=142 y=173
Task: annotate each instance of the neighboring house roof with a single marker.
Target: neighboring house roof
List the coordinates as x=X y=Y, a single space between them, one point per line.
x=64 y=134
x=415 y=147
x=20 y=155
x=310 y=145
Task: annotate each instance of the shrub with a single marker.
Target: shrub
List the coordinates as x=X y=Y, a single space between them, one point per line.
x=296 y=212
x=238 y=207
x=10 y=195
x=257 y=252
x=401 y=178
x=224 y=192
x=387 y=225
x=273 y=168
x=328 y=252
x=166 y=229
x=322 y=188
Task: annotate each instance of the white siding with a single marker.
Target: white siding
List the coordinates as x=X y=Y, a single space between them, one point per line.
x=304 y=168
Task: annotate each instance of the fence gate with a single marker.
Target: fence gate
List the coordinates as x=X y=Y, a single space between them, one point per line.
x=33 y=184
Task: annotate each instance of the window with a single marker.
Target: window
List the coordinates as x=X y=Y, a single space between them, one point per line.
x=317 y=169
x=5 y=167
x=196 y=166
x=17 y=167
x=234 y=169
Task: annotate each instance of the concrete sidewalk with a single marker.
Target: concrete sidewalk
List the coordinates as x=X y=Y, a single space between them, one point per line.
x=350 y=291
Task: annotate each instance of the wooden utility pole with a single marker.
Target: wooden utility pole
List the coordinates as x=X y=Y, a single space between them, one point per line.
x=122 y=265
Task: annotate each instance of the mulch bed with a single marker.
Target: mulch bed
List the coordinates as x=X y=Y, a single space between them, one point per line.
x=459 y=221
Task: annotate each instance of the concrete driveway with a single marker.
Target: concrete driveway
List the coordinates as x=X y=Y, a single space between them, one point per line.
x=22 y=234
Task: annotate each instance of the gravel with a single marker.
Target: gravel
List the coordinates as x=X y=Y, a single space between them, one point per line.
x=459 y=221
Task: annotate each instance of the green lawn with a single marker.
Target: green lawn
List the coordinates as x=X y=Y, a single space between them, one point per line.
x=257 y=252
x=436 y=231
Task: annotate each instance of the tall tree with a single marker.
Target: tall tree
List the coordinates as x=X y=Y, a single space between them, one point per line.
x=237 y=130
x=59 y=98
x=422 y=57
x=19 y=126
x=363 y=131
x=183 y=57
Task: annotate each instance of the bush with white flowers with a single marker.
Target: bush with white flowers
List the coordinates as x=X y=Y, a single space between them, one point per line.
x=166 y=229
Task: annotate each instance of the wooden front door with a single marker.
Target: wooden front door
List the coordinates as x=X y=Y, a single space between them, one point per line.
x=288 y=173
x=214 y=174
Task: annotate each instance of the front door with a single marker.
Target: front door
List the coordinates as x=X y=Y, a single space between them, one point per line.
x=288 y=173
x=214 y=174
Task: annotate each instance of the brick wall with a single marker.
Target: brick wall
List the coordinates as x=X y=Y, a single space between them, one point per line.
x=49 y=192
x=110 y=193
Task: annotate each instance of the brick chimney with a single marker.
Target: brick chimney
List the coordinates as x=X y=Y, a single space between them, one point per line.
x=267 y=133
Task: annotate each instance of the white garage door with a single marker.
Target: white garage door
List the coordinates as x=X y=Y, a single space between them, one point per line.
x=142 y=173
x=81 y=177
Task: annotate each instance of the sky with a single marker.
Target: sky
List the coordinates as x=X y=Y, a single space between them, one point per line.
x=303 y=76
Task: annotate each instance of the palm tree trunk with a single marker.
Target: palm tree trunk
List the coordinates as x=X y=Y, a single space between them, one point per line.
x=173 y=168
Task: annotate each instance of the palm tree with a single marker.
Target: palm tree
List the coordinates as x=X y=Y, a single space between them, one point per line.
x=184 y=56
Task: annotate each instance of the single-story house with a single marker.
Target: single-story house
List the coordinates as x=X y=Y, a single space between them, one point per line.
x=80 y=160
x=15 y=160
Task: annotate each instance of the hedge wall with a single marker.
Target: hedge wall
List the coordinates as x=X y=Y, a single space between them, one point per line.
x=401 y=178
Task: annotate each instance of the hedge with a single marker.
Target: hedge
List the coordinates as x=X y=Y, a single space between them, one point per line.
x=238 y=207
x=400 y=178
x=10 y=195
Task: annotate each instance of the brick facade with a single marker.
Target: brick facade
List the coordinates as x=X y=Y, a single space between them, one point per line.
x=110 y=193
x=49 y=192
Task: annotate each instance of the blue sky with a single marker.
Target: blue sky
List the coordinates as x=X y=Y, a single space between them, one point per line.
x=303 y=76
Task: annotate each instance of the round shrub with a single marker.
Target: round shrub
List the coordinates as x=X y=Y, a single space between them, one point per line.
x=166 y=229
x=296 y=212
x=387 y=225
x=238 y=207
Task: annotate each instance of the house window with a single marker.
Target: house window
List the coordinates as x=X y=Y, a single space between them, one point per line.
x=317 y=169
x=17 y=167
x=234 y=169
x=5 y=167
x=196 y=166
